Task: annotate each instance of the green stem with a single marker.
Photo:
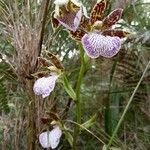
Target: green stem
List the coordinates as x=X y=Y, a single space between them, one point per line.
x=78 y=97
x=31 y=116
x=126 y=108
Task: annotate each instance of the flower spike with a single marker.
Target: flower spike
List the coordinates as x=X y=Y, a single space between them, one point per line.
x=97 y=12
x=112 y=18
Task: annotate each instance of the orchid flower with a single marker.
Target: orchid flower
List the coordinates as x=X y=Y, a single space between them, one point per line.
x=68 y=13
x=45 y=85
x=50 y=139
x=96 y=33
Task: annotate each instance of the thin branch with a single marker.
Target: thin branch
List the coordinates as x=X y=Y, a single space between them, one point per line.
x=43 y=25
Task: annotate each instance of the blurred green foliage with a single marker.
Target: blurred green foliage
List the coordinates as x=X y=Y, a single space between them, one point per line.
x=105 y=89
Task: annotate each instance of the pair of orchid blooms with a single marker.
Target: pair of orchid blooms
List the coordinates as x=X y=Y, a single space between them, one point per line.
x=97 y=37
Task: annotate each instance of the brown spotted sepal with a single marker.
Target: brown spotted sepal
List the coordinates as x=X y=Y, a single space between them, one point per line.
x=46 y=120
x=69 y=15
x=112 y=18
x=40 y=74
x=42 y=62
x=55 y=22
x=55 y=61
x=97 y=11
x=85 y=23
x=50 y=117
x=53 y=116
x=119 y=33
x=73 y=6
x=77 y=35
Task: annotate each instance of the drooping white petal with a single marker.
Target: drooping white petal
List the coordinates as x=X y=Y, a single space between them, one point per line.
x=50 y=139
x=55 y=135
x=96 y=45
x=44 y=139
x=45 y=85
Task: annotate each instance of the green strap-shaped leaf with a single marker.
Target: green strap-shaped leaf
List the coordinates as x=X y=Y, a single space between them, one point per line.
x=68 y=87
x=89 y=122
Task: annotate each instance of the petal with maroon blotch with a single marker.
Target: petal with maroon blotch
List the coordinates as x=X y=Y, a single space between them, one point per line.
x=97 y=11
x=84 y=24
x=55 y=22
x=112 y=18
x=45 y=120
x=42 y=62
x=119 y=33
x=77 y=35
x=40 y=74
x=71 y=20
x=55 y=61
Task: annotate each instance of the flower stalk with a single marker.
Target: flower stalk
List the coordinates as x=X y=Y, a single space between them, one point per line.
x=78 y=96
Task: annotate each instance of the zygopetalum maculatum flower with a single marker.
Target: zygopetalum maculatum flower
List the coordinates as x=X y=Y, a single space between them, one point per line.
x=96 y=33
x=48 y=72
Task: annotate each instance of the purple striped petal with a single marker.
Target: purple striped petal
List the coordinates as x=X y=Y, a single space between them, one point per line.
x=71 y=20
x=96 y=45
x=113 y=47
x=90 y=45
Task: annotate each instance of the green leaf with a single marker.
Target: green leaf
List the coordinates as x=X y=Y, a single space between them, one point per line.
x=90 y=122
x=68 y=135
x=68 y=88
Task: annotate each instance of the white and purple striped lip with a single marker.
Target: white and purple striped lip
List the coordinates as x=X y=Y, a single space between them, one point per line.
x=45 y=85
x=96 y=45
x=71 y=20
x=50 y=139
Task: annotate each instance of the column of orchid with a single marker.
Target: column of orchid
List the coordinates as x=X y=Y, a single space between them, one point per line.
x=96 y=37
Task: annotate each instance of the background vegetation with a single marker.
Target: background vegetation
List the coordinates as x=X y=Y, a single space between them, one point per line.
x=106 y=88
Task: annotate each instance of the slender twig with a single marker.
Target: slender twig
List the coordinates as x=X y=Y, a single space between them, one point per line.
x=43 y=25
x=81 y=126
x=126 y=108
x=31 y=116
